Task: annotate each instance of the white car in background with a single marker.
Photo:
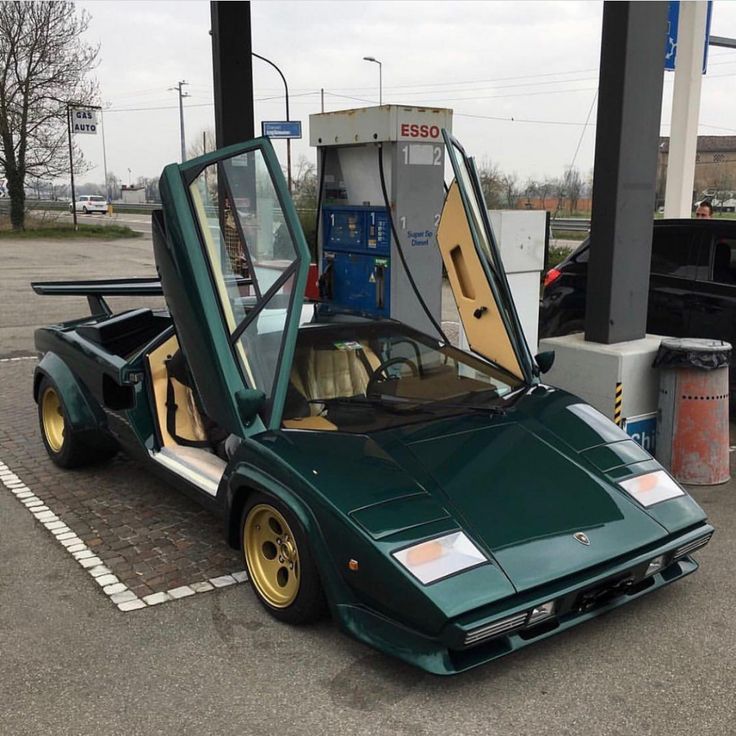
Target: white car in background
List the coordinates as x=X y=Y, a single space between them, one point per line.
x=89 y=203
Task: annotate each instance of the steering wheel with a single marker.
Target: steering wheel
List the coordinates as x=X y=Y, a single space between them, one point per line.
x=380 y=374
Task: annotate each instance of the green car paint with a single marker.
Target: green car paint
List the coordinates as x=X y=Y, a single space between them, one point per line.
x=519 y=483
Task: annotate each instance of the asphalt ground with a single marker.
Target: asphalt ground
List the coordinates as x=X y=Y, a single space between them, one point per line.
x=216 y=663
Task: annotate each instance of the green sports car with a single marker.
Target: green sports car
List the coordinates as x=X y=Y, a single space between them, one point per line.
x=443 y=506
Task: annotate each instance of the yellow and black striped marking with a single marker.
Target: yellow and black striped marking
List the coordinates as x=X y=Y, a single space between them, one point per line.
x=618 y=403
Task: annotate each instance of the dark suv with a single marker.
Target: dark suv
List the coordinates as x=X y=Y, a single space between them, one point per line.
x=692 y=288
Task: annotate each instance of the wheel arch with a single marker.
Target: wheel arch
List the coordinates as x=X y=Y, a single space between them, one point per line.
x=83 y=412
x=246 y=480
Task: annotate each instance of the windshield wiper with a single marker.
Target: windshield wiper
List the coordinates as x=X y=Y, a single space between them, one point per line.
x=390 y=403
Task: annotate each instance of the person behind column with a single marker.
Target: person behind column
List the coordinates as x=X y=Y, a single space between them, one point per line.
x=704 y=210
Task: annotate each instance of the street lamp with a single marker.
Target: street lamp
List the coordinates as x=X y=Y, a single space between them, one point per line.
x=286 y=92
x=380 y=77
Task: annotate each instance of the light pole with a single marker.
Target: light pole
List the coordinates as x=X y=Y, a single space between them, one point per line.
x=380 y=77
x=182 y=95
x=286 y=92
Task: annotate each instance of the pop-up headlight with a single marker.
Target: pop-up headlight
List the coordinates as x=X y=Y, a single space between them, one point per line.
x=440 y=557
x=652 y=488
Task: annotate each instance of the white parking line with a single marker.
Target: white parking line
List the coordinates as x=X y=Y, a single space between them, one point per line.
x=20 y=357
x=118 y=593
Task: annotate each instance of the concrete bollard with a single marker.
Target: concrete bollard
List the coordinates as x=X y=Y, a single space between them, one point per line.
x=692 y=422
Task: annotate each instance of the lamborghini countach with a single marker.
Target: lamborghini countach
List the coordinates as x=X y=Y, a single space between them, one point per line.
x=444 y=506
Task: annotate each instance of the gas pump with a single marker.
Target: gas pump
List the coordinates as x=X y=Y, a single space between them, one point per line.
x=381 y=190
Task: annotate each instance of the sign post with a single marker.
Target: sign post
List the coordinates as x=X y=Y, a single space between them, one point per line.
x=281 y=129
x=79 y=119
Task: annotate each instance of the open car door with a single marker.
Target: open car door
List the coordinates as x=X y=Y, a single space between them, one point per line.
x=475 y=271
x=233 y=264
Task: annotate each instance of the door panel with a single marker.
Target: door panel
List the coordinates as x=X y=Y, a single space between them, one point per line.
x=479 y=313
x=476 y=274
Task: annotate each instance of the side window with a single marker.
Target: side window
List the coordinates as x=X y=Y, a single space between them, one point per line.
x=583 y=253
x=724 y=261
x=252 y=257
x=674 y=252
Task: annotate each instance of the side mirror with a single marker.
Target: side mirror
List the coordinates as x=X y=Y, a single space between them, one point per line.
x=545 y=360
x=249 y=401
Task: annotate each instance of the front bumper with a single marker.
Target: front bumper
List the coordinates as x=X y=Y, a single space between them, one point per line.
x=578 y=599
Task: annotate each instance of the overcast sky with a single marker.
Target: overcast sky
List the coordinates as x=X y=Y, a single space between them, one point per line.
x=521 y=77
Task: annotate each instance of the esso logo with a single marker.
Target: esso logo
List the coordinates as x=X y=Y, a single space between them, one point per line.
x=413 y=130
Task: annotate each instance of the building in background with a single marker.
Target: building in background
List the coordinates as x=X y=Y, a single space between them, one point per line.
x=715 y=170
x=133 y=194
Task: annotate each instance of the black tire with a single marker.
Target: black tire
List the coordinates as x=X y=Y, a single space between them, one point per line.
x=85 y=211
x=305 y=604
x=66 y=448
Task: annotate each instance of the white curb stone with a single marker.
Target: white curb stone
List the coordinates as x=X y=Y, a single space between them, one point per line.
x=88 y=562
x=131 y=605
x=201 y=587
x=115 y=588
x=123 y=596
x=104 y=580
x=223 y=581
x=181 y=592
x=156 y=598
x=120 y=595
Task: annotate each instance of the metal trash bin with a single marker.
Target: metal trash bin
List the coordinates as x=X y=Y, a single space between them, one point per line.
x=692 y=421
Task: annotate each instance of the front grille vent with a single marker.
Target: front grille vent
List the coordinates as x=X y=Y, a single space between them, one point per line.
x=497 y=627
x=686 y=549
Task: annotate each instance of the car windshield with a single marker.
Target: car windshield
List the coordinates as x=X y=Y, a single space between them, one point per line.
x=360 y=377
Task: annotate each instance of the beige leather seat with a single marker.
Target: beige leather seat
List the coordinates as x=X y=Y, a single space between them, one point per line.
x=328 y=374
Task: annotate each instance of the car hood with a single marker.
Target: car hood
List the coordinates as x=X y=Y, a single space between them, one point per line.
x=521 y=485
x=524 y=499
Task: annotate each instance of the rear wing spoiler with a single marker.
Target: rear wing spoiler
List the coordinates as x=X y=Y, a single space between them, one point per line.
x=95 y=291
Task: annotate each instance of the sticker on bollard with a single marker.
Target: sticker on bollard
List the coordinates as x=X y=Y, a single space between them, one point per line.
x=643 y=430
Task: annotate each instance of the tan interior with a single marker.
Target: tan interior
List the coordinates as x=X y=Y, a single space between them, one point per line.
x=329 y=374
x=188 y=421
x=310 y=423
x=486 y=334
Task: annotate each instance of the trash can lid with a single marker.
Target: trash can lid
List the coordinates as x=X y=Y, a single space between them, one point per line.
x=695 y=345
x=691 y=352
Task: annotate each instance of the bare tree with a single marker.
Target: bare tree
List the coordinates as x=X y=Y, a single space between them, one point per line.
x=204 y=142
x=510 y=183
x=43 y=66
x=491 y=183
x=531 y=190
x=112 y=186
x=151 y=188
x=544 y=187
x=573 y=183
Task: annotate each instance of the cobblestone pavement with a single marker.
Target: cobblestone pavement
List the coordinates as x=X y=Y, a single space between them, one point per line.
x=151 y=536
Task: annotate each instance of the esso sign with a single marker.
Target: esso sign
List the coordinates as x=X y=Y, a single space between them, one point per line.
x=414 y=130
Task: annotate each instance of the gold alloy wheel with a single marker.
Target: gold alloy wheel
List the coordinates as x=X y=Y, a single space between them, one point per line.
x=53 y=419
x=271 y=555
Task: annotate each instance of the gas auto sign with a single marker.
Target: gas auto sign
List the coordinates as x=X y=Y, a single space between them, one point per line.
x=84 y=121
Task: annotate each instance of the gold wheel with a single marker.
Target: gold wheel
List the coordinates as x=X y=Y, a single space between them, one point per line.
x=52 y=419
x=271 y=555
